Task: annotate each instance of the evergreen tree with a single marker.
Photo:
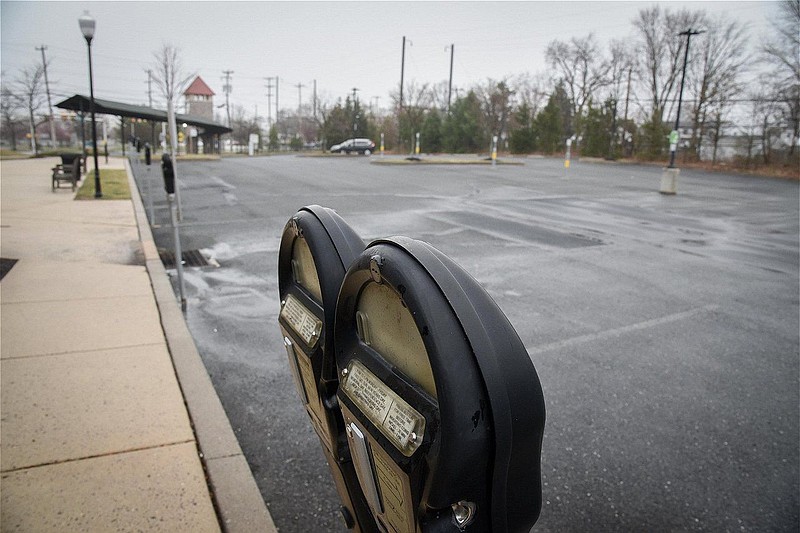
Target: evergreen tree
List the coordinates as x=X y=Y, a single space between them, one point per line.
x=523 y=137
x=461 y=131
x=273 y=138
x=654 y=137
x=549 y=127
x=431 y=135
x=597 y=130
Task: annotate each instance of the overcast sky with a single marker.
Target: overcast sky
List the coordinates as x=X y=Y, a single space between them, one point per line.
x=341 y=45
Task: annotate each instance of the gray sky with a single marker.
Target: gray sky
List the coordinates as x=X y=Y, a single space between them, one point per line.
x=341 y=45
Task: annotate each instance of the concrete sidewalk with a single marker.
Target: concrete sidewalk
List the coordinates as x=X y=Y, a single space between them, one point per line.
x=108 y=420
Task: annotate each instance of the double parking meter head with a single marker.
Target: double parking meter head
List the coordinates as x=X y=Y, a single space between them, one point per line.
x=316 y=248
x=441 y=403
x=428 y=407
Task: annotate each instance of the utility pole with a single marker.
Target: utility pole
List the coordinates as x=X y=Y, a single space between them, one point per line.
x=355 y=113
x=277 y=106
x=402 y=71
x=49 y=104
x=450 y=84
x=300 y=87
x=150 y=87
x=227 y=89
x=150 y=101
x=269 y=87
x=315 y=100
x=674 y=146
x=627 y=99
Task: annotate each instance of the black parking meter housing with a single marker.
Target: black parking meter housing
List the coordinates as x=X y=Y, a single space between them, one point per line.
x=147 y=154
x=442 y=404
x=169 y=173
x=316 y=248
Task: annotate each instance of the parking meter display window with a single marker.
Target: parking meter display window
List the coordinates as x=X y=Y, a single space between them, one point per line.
x=304 y=270
x=390 y=330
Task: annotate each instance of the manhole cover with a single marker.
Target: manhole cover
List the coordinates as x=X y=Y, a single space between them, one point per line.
x=191 y=258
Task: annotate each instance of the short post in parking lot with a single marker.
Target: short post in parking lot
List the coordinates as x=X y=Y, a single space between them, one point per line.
x=416 y=149
x=381 y=144
x=494 y=150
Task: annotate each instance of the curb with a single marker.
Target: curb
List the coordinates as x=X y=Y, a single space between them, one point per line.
x=236 y=497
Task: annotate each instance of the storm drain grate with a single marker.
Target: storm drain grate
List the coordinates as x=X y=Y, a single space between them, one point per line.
x=191 y=258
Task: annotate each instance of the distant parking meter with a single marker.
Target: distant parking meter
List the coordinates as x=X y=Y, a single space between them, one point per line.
x=147 y=156
x=442 y=406
x=169 y=174
x=316 y=248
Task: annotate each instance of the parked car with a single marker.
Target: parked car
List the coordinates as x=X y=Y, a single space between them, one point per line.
x=361 y=146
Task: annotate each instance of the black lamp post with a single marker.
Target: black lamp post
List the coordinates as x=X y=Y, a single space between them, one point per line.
x=86 y=23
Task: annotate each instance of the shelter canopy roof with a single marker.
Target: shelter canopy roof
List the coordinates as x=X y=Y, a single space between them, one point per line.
x=81 y=104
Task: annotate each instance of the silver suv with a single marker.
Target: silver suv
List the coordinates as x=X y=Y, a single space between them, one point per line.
x=361 y=146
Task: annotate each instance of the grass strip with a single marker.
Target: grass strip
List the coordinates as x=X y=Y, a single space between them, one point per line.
x=113 y=184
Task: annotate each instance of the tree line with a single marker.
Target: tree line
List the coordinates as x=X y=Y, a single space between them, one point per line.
x=613 y=101
x=617 y=99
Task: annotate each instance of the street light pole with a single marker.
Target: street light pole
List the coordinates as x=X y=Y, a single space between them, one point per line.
x=87 y=23
x=450 y=83
x=674 y=147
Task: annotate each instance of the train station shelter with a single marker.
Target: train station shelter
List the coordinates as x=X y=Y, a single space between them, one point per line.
x=207 y=130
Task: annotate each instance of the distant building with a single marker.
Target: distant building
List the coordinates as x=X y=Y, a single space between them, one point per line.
x=199 y=103
x=199 y=99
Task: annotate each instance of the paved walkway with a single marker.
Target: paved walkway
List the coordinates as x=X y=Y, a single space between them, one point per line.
x=108 y=420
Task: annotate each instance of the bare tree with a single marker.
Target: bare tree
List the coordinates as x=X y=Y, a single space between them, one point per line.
x=29 y=91
x=531 y=89
x=580 y=64
x=781 y=51
x=715 y=74
x=171 y=81
x=438 y=92
x=8 y=114
x=662 y=57
x=495 y=98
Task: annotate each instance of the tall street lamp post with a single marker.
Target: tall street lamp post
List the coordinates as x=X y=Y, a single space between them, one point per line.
x=86 y=23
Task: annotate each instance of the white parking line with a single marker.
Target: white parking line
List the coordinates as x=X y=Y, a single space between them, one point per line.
x=617 y=332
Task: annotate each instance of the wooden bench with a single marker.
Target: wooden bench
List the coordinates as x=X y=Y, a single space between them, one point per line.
x=69 y=171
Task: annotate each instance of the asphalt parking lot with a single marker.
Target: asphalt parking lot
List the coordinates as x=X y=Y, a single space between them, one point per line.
x=664 y=328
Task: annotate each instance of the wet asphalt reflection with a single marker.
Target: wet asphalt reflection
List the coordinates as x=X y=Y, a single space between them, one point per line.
x=664 y=329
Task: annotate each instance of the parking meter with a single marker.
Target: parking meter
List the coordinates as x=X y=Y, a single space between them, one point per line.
x=442 y=406
x=316 y=248
x=169 y=174
x=147 y=156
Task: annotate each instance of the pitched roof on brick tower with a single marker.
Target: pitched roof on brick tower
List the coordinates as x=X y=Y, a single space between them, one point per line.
x=199 y=88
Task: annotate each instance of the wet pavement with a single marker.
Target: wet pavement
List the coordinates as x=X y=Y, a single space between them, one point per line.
x=664 y=329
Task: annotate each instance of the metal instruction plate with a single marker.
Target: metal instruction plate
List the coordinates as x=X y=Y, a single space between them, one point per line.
x=393 y=416
x=303 y=321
